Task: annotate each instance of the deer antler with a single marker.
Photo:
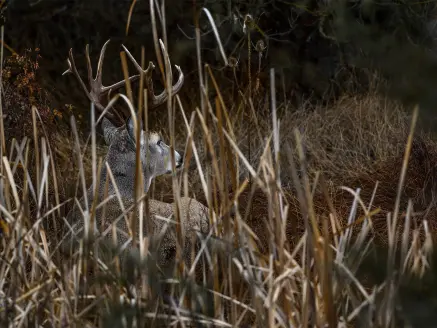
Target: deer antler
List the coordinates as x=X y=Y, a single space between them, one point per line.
x=98 y=90
x=155 y=101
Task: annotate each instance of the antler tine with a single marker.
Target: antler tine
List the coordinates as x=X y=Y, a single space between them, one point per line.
x=88 y=65
x=131 y=79
x=147 y=72
x=162 y=97
x=155 y=101
x=73 y=70
x=100 y=63
x=175 y=89
x=97 y=90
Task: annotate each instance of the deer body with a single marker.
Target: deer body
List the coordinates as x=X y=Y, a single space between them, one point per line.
x=193 y=218
x=155 y=159
x=121 y=160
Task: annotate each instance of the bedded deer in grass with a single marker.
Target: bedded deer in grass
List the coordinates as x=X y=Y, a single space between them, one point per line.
x=155 y=158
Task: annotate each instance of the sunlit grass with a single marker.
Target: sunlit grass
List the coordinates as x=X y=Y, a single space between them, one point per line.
x=273 y=257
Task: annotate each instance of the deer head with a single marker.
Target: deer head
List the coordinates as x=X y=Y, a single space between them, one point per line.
x=119 y=133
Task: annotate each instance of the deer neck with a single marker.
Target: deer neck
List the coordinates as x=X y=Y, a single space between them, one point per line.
x=125 y=183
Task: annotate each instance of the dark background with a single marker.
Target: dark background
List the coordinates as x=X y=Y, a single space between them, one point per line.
x=321 y=50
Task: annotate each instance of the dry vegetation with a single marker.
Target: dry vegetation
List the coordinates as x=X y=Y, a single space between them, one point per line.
x=300 y=239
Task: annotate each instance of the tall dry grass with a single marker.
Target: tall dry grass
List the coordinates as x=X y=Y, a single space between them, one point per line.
x=300 y=268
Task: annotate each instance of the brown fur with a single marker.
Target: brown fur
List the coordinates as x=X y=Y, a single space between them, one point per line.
x=194 y=217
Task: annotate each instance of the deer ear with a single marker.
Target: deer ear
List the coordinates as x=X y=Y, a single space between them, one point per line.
x=109 y=131
x=131 y=129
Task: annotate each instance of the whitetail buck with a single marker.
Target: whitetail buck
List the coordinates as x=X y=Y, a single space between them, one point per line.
x=121 y=158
